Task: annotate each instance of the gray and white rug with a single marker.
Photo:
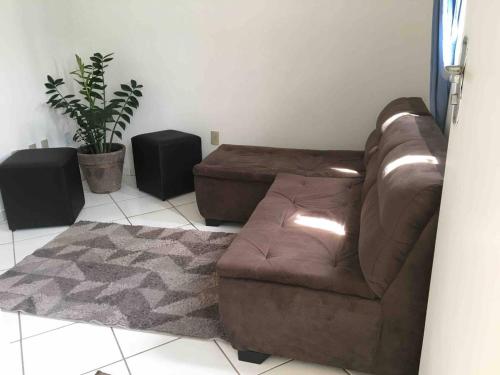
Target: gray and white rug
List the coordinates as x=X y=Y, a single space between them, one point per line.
x=133 y=277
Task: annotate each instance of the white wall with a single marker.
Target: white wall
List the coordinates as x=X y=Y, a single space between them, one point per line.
x=28 y=45
x=462 y=335
x=293 y=73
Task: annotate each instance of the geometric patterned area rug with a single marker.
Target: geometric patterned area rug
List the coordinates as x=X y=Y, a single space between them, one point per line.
x=135 y=277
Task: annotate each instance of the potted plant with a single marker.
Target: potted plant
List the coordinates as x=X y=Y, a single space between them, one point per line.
x=99 y=121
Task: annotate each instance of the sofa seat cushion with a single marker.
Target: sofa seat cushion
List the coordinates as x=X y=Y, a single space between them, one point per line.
x=249 y=163
x=303 y=233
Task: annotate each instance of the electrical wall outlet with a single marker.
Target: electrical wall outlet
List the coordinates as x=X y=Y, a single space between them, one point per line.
x=214 y=137
x=45 y=143
x=32 y=146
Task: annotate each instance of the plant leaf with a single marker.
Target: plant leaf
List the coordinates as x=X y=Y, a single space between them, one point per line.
x=126 y=117
x=122 y=124
x=133 y=102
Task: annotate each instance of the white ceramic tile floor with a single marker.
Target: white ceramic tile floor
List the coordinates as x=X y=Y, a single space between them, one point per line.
x=5 y=233
x=183 y=199
x=122 y=221
x=168 y=218
x=27 y=247
x=11 y=363
x=35 y=325
x=190 y=212
x=301 y=368
x=104 y=212
x=9 y=328
x=26 y=234
x=118 y=368
x=245 y=368
x=186 y=356
x=74 y=349
x=52 y=346
x=6 y=256
x=143 y=205
x=92 y=199
x=134 y=342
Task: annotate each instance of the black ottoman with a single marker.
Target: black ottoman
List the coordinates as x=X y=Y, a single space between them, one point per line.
x=41 y=188
x=164 y=162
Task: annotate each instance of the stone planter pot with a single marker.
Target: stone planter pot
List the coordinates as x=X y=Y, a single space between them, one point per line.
x=103 y=172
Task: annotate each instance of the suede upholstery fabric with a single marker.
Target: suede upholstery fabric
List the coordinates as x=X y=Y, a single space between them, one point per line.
x=404 y=305
x=232 y=180
x=413 y=106
x=279 y=245
x=228 y=199
x=406 y=194
x=300 y=323
x=250 y=163
x=282 y=276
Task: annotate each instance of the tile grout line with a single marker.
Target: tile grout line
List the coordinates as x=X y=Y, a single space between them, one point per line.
x=40 y=236
x=225 y=355
x=172 y=207
x=150 y=212
x=117 y=205
x=189 y=221
x=13 y=247
x=275 y=367
x=18 y=313
x=120 y=349
x=154 y=347
x=44 y=332
x=21 y=342
x=91 y=372
x=182 y=204
x=97 y=205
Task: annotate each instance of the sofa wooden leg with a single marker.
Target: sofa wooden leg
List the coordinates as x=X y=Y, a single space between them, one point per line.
x=213 y=222
x=252 y=357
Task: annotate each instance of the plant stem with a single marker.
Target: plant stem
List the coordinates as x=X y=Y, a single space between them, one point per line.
x=69 y=105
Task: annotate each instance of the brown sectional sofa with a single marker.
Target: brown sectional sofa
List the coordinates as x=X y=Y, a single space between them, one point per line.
x=333 y=265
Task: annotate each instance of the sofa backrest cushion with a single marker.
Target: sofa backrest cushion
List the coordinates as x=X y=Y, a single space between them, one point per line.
x=402 y=192
x=392 y=112
x=401 y=107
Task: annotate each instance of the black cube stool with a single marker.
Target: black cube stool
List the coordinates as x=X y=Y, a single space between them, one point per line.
x=164 y=162
x=41 y=188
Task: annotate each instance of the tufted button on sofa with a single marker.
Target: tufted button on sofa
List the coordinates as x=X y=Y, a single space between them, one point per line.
x=334 y=268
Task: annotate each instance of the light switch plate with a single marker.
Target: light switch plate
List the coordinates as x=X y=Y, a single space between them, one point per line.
x=214 y=137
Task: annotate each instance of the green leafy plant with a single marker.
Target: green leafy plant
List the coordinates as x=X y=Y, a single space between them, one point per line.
x=99 y=120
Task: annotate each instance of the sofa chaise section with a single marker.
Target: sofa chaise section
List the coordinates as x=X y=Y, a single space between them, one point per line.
x=233 y=179
x=336 y=270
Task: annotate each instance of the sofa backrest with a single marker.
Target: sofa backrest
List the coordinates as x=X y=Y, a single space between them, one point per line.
x=402 y=188
x=394 y=111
